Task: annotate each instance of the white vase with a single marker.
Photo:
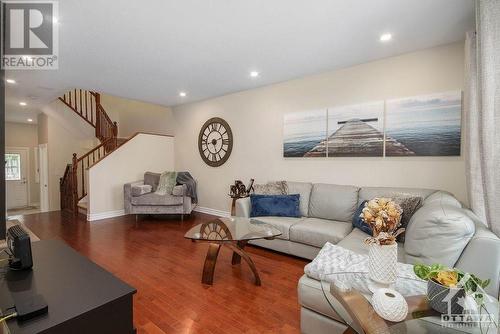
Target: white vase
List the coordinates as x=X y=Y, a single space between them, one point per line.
x=382 y=262
x=390 y=305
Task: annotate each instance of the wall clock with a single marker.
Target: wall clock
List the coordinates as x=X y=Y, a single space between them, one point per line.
x=215 y=142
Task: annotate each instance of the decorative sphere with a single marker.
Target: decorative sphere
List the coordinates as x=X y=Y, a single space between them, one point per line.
x=390 y=305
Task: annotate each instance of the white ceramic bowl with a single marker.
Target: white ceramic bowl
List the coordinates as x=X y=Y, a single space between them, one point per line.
x=390 y=305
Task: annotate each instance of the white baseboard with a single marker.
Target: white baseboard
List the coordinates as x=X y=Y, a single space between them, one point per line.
x=118 y=213
x=105 y=215
x=211 y=211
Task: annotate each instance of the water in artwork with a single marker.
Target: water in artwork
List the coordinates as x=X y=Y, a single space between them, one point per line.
x=427 y=125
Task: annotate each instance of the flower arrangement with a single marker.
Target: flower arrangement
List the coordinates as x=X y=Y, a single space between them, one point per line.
x=383 y=216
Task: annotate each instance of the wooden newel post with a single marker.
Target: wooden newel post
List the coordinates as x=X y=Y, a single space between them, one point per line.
x=74 y=181
x=97 y=115
x=61 y=192
x=97 y=98
x=115 y=133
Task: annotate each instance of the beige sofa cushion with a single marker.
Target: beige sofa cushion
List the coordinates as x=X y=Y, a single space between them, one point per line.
x=304 y=190
x=311 y=296
x=438 y=233
x=281 y=223
x=334 y=202
x=316 y=232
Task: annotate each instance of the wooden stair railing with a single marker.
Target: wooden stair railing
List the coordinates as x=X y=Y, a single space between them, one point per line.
x=87 y=105
x=73 y=183
x=66 y=187
x=83 y=103
x=106 y=129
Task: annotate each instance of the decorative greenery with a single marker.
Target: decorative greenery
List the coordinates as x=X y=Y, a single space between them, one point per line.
x=452 y=278
x=383 y=216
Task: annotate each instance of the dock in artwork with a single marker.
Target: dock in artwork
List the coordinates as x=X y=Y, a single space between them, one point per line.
x=357 y=138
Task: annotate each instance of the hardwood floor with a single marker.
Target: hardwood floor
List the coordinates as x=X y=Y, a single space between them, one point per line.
x=166 y=270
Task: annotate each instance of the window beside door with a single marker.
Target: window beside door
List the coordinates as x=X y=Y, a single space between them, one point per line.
x=12 y=167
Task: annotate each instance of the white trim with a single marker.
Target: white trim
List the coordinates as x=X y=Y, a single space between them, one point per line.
x=119 y=213
x=211 y=211
x=37 y=168
x=105 y=215
x=43 y=167
x=37 y=204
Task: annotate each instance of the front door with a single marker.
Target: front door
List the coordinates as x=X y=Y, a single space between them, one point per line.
x=16 y=177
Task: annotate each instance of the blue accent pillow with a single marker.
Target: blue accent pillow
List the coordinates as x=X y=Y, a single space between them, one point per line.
x=358 y=222
x=275 y=205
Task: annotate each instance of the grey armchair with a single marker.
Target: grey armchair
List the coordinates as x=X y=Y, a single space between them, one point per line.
x=140 y=198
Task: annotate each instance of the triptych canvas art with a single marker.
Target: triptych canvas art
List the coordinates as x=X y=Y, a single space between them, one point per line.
x=428 y=125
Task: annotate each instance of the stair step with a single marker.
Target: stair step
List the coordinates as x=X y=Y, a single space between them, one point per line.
x=82 y=212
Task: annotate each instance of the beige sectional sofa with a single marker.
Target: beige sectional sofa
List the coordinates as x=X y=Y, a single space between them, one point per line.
x=441 y=231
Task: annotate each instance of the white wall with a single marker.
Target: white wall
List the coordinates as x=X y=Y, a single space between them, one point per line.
x=144 y=152
x=256 y=118
x=66 y=133
x=25 y=135
x=136 y=116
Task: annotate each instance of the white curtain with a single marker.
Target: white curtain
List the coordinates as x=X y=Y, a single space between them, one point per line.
x=482 y=113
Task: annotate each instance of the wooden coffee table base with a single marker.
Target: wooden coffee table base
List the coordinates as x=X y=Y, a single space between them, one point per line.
x=238 y=253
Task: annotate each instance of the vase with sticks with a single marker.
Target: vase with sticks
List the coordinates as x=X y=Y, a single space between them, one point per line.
x=239 y=190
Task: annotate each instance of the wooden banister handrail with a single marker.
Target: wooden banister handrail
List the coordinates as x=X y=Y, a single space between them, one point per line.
x=92 y=151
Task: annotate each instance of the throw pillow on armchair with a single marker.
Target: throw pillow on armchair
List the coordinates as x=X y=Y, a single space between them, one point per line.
x=142 y=189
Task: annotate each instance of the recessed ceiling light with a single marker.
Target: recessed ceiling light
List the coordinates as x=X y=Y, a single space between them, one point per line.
x=30 y=120
x=385 y=37
x=254 y=74
x=11 y=81
x=182 y=94
x=22 y=104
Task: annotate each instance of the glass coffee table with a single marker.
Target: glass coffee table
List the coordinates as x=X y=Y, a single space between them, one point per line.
x=349 y=295
x=234 y=233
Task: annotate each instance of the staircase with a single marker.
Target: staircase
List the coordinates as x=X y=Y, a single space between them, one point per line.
x=87 y=105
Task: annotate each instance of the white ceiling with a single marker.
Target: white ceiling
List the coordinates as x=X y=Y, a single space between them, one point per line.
x=152 y=50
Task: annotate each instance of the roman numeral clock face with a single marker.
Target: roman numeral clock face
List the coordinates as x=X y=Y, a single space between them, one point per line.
x=215 y=142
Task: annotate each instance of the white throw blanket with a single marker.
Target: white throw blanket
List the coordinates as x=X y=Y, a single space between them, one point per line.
x=335 y=264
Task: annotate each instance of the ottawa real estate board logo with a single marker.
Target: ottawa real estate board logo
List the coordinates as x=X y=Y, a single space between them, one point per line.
x=30 y=39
